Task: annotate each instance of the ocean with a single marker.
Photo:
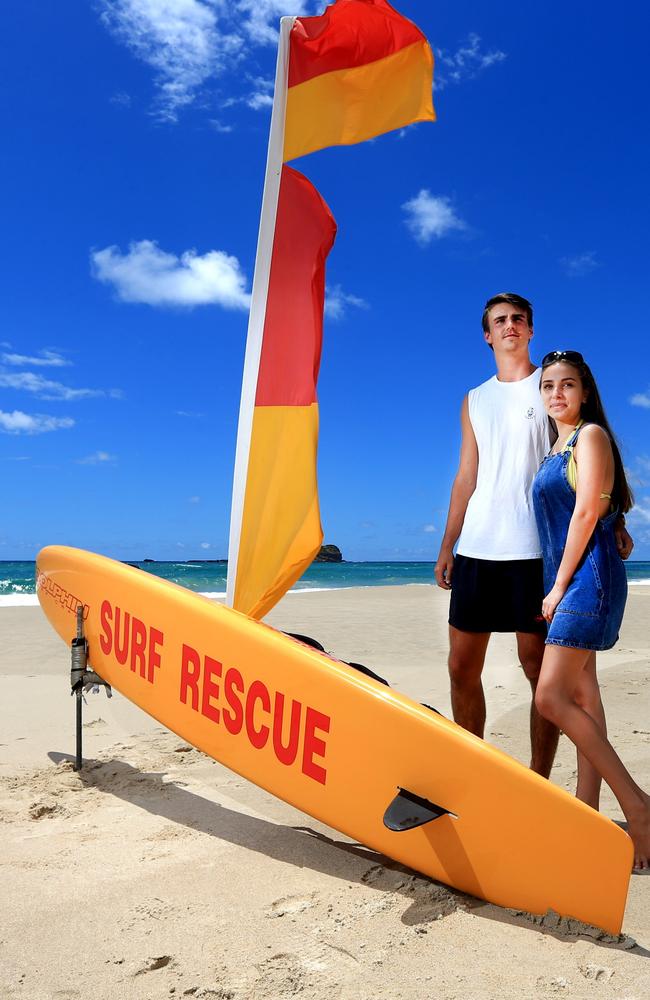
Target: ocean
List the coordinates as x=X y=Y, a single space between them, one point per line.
x=209 y=578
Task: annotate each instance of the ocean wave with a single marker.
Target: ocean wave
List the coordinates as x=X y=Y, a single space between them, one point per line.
x=22 y=597
x=357 y=586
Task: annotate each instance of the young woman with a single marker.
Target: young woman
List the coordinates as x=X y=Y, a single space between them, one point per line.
x=578 y=493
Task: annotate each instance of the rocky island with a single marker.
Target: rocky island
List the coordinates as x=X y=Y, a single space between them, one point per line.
x=329 y=554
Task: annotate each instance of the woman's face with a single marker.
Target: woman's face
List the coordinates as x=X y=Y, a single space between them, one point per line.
x=562 y=392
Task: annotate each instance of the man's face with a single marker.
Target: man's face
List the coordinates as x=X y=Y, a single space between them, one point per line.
x=509 y=332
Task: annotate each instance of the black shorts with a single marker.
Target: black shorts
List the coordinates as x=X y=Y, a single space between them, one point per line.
x=489 y=595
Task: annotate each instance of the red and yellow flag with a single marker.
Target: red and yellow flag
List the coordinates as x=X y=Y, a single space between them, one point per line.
x=355 y=71
x=281 y=530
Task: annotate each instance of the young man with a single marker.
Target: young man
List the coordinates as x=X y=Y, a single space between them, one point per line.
x=496 y=576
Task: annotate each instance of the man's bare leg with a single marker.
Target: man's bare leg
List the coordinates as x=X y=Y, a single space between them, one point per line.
x=466 y=659
x=544 y=735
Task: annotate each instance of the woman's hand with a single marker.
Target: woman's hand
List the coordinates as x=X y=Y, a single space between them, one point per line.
x=551 y=601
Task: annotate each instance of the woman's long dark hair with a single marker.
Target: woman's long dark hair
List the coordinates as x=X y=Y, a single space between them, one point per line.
x=593 y=412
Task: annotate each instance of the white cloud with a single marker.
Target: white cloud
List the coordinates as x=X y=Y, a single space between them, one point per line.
x=32 y=423
x=258 y=101
x=187 y=43
x=466 y=63
x=641 y=399
x=121 y=99
x=206 y=545
x=430 y=528
x=431 y=217
x=638 y=519
x=580 y=264
x=44 y=359
x=638 y=474
x=640 y=513
x=259 y=98
x=337 y=302
x=46 y=388
x=219 y=126
x=194 y=500
x=264 y=16
x=148 y=274
x=261 y=84
x=97 y=458
x=182 y=40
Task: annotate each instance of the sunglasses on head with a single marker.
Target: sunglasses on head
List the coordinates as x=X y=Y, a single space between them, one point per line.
x=573 y=357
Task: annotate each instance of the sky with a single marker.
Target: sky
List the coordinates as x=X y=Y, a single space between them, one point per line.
x=132 y=163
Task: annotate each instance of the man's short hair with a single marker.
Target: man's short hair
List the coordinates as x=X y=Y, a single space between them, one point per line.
x=514 y=300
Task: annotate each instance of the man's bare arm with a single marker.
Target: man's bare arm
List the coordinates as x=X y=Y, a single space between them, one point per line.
x=462 y=489
x=624 y=541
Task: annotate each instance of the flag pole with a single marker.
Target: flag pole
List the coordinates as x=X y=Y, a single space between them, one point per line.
x=259 y=294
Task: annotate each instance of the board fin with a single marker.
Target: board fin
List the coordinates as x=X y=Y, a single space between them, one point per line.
x=408 y=810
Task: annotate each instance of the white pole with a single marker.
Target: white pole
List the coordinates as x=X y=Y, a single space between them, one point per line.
x=259 y=295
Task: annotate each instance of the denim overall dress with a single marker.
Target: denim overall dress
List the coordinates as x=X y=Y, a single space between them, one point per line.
x=590 y=612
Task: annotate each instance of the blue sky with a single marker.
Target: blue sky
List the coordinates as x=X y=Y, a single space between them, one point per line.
x=132 y=166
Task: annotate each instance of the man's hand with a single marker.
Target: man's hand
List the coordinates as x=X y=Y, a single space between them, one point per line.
x=444 y=569
x=624 y=542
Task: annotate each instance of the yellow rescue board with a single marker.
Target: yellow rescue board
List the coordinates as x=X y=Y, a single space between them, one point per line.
x=337 y=744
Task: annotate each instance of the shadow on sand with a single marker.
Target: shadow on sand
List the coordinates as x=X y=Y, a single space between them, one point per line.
x=305 y=847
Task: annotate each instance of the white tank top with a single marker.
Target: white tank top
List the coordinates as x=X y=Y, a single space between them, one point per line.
x=512 y=434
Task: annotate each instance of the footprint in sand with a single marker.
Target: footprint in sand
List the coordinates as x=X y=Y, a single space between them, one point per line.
x=427 y=900
x=170 y=832
x=46 y=810
x=384 y=878
x=280 y=975
x=208 y=993
x=600 y=973
x=319 y=971
x=153 y=964
x=288 y=905
x=557 y=984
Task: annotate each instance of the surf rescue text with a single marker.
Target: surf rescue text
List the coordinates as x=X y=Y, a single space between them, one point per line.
x=293 y=732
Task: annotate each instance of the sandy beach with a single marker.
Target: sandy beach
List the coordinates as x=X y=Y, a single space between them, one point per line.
x=156 y=872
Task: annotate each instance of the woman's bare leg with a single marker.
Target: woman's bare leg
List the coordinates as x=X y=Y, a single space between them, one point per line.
x=555 y=698
x=587 y=696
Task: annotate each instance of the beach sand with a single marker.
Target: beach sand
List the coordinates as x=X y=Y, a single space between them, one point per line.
x=155 y=872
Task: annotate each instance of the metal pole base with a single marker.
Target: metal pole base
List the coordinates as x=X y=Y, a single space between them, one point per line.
x=82 y=679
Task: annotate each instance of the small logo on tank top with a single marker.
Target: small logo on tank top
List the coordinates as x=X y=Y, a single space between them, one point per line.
x=530 y=413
